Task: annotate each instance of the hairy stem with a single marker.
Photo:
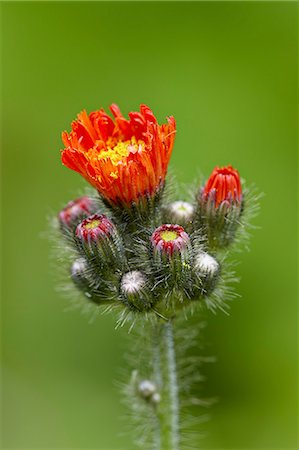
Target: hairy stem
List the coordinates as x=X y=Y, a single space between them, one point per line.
x=164 y=368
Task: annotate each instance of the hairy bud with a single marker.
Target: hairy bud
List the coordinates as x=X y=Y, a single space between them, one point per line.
x=180 y=212
x=146 y=388
x=75 y=211
x=148 y=391
x=207 y=270
x=171 y=248
x=99 y=241
x=134 y=290
x=220 y=206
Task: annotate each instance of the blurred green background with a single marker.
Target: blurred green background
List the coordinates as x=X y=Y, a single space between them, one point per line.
x=227 y=72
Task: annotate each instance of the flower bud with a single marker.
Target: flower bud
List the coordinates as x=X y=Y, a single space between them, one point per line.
x=99 y=240
x=180 y=212
x=220 y=206
x=171 y=249
x=169 y=240
x=79 y=271
x=207 y=270
x=146 y=389
x=134 y=290
x=75 y=211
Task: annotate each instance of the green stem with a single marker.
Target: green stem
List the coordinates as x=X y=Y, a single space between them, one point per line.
x=164 y=368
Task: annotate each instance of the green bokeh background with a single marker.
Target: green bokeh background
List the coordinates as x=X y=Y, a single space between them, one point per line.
x=227 y=72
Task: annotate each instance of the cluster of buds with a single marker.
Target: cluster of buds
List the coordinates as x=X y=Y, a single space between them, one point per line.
x=164 y=258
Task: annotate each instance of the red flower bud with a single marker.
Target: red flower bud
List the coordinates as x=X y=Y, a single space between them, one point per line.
x=75 y=211
x=221 y=206
x=94 y=228
x=224 y=184
x=169 y=239
x=99 y=241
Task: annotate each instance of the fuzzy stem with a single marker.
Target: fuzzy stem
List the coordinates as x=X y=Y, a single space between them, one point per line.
x=164 y=367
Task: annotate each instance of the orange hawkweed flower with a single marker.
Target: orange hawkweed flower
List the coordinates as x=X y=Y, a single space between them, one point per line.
x=125 y=160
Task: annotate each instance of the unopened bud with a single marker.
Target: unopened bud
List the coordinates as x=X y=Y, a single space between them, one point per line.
x=170 y=240
x=79 y=270
x=171 y=248
x=98 y=238
x=134 y=290
x=207 y=270
x=81 y=276
x=146 y=388
x=181 y=212
x=220 y=206
x=148 y=391
x=75 y=211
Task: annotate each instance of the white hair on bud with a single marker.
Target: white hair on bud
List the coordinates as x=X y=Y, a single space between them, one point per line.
x=132 y=282
x=206 y=264
x=79 y=267
x=181 y=210
x=147 y=388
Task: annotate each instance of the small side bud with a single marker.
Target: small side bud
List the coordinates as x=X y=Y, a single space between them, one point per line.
x=180 y=212
x=134 y=290
x=146 y=389
x=99 y=240
x=171 y=249
x=207 y=270
x=79 y=272
x=75 y=211
x=220 y=206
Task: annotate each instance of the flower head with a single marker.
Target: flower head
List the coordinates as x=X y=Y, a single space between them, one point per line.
x=75 y=211
x=124 y=160
x=170 y=239
x=224 y=184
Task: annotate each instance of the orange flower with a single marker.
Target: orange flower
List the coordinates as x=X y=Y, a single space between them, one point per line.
x=124 y=160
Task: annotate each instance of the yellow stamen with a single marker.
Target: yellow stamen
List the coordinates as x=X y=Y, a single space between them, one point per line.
x=91 y=225
x=168 y=236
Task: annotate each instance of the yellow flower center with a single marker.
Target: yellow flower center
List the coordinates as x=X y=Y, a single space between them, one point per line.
x=168 y=236
x=118 y=153
x=93 y=224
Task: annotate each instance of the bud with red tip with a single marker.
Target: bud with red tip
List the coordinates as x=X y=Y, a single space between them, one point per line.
x=99 y=241
x=171 y=249
x=75 y=211
x=220 y=206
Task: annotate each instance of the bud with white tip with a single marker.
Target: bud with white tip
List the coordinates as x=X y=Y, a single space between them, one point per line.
x=79 y=269
x=181 y=212
x=81 y=275
x=146 y=389
x=207 y=270
x=134 y=290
